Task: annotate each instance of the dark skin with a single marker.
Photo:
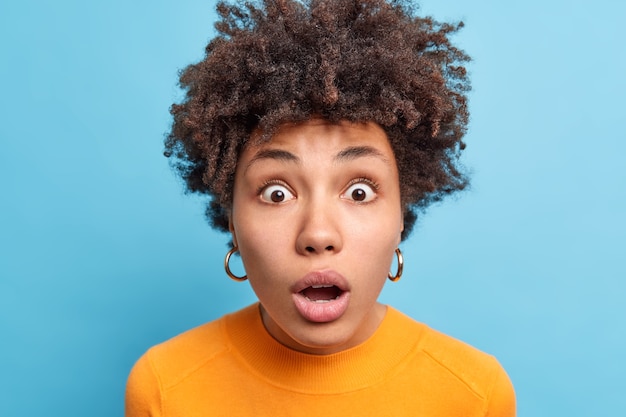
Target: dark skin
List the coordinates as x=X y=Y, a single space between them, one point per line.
x=282 y=61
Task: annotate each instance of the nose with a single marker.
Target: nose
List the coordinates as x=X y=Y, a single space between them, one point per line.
x=319 y=230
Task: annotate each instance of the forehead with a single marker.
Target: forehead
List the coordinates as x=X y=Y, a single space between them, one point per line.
x=318 y=135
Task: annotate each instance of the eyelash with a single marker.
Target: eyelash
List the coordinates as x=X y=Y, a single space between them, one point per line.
x=267 y=183
x=375 y=186
x=365 y=180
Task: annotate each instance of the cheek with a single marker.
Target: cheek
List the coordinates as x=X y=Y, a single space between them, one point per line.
x=382 y=227
x=375 y=244
x=261 y=245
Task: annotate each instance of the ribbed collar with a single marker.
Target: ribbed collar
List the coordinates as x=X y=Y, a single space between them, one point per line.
x=368 y=363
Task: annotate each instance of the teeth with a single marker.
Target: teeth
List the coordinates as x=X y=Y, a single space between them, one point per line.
x=320 y=301
x=322 y=286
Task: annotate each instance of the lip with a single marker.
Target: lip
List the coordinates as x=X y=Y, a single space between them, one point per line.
x=321 y=312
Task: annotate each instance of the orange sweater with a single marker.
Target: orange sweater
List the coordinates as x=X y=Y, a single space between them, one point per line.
x=233 y=367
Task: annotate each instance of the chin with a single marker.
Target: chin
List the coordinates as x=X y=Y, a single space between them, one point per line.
x=322 y=338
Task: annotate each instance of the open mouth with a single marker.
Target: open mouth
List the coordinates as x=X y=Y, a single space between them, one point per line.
x=321 y=296
x=321 y=293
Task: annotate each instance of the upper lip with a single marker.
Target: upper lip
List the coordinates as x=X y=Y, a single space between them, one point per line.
x=322 y=277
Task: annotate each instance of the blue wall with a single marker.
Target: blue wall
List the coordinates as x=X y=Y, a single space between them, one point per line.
x=102 y=255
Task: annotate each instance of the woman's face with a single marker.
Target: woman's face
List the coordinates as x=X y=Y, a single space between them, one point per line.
x=316 y=217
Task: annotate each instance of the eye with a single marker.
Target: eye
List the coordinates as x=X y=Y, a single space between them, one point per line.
x=276 y=193
x=361 y=191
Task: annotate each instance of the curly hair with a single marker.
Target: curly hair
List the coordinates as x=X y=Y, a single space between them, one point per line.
x=286 y=61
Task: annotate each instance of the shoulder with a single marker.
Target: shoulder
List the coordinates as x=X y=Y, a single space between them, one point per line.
x=172 y=361
x=167 y=364
x=478 y=371
x=449 y=352
x=472 y=366
x=182 y=355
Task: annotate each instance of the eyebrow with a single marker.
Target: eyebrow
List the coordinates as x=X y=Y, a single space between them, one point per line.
x=355 y=152
x=348 y=154
x=275 y=154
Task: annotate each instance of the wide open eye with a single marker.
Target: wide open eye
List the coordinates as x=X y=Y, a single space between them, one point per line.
x=276 y=193
x=361 y=191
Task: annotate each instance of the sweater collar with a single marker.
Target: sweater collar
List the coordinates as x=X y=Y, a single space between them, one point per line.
x=361 y=366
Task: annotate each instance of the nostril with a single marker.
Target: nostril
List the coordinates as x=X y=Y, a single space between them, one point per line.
x=311 y=249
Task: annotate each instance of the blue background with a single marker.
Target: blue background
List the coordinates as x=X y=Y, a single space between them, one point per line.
x=102 y=255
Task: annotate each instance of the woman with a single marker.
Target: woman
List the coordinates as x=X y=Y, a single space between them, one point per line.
x=318 y=129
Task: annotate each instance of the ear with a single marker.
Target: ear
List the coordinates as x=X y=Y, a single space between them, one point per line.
x=401 y=227
x=231 y=227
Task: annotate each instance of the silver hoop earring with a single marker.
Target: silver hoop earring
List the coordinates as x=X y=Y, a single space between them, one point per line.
x=396 y=277
x=227 y=267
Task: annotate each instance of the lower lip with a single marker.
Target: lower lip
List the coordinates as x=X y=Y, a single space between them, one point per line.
x=321 y=312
